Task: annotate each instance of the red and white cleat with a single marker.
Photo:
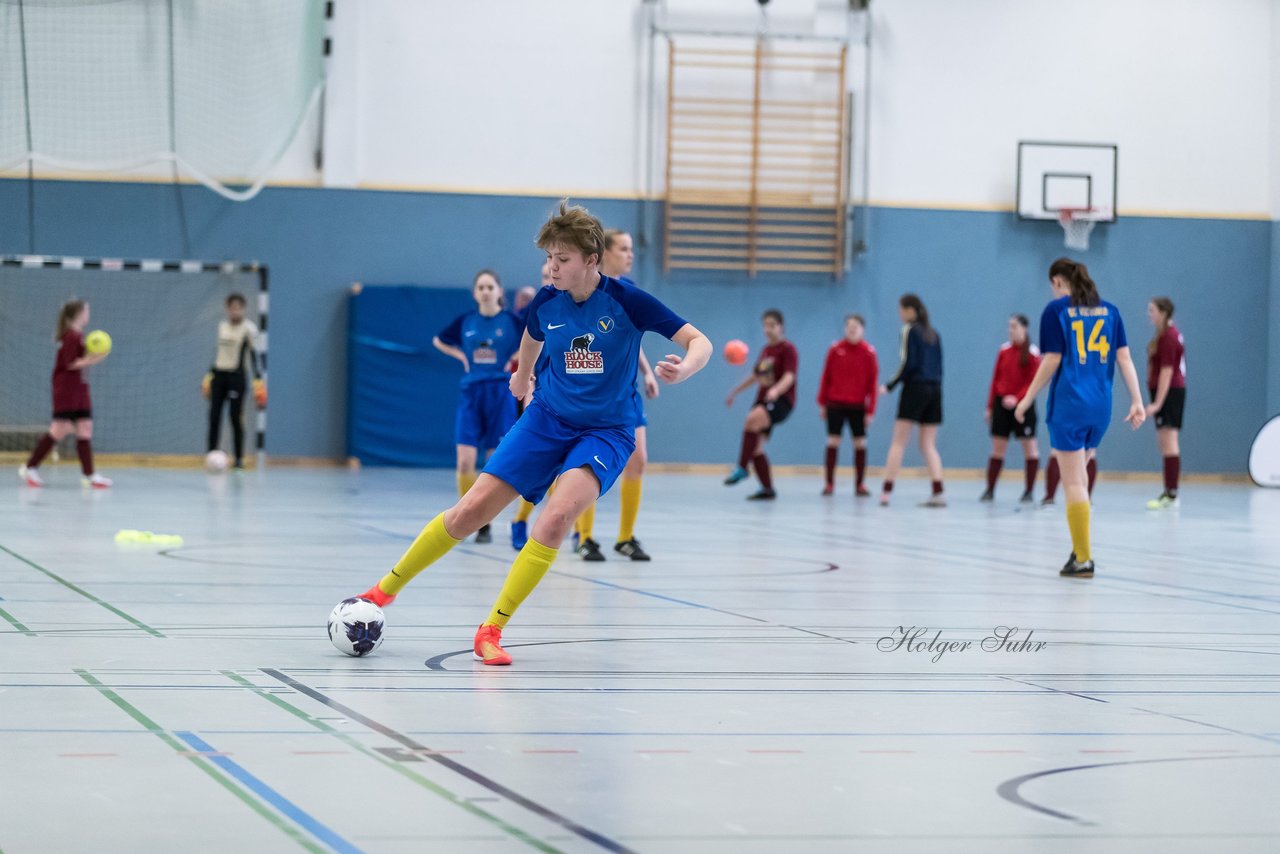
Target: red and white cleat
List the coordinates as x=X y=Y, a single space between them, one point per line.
x=488 y=646
x=30 y=476
x=375 y=595
x=96 y=481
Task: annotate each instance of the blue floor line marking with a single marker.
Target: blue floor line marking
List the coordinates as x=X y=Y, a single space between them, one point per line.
x=271 y=796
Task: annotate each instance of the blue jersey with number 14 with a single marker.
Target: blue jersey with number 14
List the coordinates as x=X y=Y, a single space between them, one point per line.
x=1087 y=337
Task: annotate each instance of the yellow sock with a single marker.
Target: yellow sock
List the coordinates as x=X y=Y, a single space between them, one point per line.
x=465 y=482
x=432 y=544
x=1078 y=522
x=630 y=490
x=524 y=511
x=531 y=564
x=587 y=522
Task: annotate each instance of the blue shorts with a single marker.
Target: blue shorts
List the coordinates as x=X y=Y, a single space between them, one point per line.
x=1075 y=437
x=641 y=420
x=486 y=411
x=541 y=447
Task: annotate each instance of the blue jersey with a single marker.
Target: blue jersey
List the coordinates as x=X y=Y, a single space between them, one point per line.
x=489 y=343
x=1087 y=337
x=590 y=351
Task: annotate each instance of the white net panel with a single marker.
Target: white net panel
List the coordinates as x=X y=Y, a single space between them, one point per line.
x=1076 y=228
x=92 y=80
x=146 y=395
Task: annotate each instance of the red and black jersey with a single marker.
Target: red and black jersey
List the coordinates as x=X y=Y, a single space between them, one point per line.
x=775 y=362
x=850 y=376
x=1170 y=353
x=70 y=391
x=1011 y=376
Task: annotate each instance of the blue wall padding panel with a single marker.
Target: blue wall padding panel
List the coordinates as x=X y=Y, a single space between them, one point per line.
x=401 y=391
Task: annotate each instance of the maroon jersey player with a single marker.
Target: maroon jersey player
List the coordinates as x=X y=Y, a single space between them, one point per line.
x=774 y=375
x=1016 y=366
x=1167 y=381
x=847 y=393
x=72 y=407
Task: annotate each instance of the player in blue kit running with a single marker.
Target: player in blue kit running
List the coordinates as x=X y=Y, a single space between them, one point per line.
x=578 y=429
x=484 y=341
x=1082 y=340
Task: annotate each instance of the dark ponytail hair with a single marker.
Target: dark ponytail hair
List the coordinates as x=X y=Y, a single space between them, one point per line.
x=1025 y=355
x=70 y=310
x=1083 y=289
x=914 y=303
x=1165 y=306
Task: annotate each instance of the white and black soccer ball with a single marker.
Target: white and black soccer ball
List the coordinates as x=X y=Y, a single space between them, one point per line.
x=216 y=462
x=356 y=626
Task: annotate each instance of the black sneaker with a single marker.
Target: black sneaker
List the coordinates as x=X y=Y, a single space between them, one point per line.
x=590 y=551
x=1075 y=569
x=1047 y=501
x=1028 y=497
x=631 y=548
x=987 y=497
x=1070 y=561
x=762 y=495
x=483 y=535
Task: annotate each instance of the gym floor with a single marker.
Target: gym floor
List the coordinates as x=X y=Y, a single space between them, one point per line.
x=748 y=690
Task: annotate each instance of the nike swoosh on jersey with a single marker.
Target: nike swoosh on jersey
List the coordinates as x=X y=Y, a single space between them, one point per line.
x=469 y=334
x=554 y=325
x=601 y=462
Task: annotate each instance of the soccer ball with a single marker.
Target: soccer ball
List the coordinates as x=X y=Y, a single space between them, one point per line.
x=355 y=626
x=97 y=342
x=216 y=462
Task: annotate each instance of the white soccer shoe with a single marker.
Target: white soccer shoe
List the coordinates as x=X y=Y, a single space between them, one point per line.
x=96 y=481
x=30 y=476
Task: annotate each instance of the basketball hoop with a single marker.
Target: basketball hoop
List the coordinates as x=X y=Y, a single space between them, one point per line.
x=1077 y=225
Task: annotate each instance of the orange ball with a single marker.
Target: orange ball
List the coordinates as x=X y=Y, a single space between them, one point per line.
x=736 y=352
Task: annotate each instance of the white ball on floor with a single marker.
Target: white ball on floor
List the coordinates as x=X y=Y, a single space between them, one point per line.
x=216 y=462
x=356 y=626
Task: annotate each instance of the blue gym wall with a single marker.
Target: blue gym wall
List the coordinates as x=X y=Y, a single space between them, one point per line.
x=971 y=268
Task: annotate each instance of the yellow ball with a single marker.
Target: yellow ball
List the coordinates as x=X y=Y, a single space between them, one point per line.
x=97 y=342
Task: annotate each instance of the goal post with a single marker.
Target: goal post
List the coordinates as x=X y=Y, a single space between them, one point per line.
x=163 y=319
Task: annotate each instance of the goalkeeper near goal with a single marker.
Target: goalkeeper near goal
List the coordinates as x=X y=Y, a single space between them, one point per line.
x=225 y=381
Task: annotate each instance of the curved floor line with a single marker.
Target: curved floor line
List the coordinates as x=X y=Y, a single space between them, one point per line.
x=1009 y=789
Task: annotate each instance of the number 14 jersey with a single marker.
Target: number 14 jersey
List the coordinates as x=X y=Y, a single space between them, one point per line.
x=1087 y=337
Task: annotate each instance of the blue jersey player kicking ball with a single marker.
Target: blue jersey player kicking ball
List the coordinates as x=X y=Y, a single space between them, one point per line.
x=579 y=428
x=1082 y=339
x=483 y=340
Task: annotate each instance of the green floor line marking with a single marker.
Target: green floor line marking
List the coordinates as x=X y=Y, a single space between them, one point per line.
x=13 y=621
x=155 y=729
x=398 y=767
x=85 y=593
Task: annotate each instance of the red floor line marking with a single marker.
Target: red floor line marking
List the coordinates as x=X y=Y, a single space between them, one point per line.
x=86 y=755
x=549 y=751
x=749 y=750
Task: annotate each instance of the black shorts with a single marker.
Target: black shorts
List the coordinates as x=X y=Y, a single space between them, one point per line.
x=778 y=412
x=921 y=403
x=74 y=415
x=1170 y=415
x=838 y=414
x=1004 y=425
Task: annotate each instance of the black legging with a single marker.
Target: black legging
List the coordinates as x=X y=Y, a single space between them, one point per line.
x=227 y=386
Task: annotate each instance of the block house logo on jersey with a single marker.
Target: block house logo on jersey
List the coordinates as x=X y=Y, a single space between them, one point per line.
x=581 y=359
x=484 y=354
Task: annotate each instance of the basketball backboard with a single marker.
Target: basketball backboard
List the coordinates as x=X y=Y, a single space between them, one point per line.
x=1075 y=176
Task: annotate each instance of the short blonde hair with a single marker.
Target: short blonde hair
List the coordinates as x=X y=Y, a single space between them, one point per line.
x=611 y=236
x=573 y=227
